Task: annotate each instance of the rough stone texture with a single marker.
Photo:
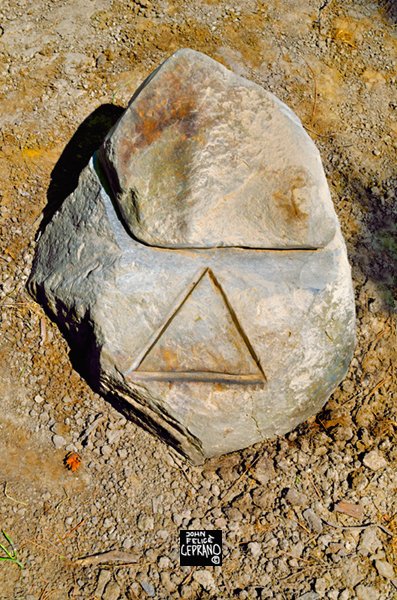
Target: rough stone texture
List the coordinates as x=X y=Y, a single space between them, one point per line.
x=214 y=349
x=374 y=460
x=204 y=157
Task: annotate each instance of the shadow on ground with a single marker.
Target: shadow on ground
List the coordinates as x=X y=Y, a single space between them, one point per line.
x=389 y=7
x=376 y=248
x=77 y=153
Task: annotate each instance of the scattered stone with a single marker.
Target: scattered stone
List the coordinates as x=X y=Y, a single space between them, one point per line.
x=374 y=460
x=185 y=356
x=385 y=569
x=233 y=513
x=112 y=591
x=296 y=498
x=103 y=578
x=106 y=450
x=148 y=588
x=348 y=508
x=262 y=499
x=263 y=471
x=145 y=522
x=127 y=543
x=297 y=549
x=58 y=441
x=320 y=586
x=369 y=541
x=313 y=520
x=366 y=592
x=255 y=548
x=164 y=562
x=205 y=579
x=228 y=469
x=352 y=572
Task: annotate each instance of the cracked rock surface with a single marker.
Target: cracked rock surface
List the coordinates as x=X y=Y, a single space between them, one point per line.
x=214 y=348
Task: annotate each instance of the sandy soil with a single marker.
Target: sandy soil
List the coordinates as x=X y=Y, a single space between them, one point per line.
x=67 y=68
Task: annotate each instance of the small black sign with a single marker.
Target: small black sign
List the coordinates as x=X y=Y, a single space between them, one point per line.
x=200 y=548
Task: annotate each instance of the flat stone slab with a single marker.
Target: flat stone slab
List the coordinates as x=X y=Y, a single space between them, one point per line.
x=203 y=157
x=212 y=348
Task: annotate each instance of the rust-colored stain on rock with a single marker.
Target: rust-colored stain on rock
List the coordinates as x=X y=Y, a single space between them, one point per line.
x=173 y=103
x=289 y=199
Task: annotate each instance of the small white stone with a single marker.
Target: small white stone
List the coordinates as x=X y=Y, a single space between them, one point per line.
x=369 y=541
x=384 y=569
x=320 y=586
x=58 y=441
x=163 y=534
x=374 y=460
x=255 y=549
x=366 y=592
x=112 y=591
x=145 y=523
x=164 y=562
x=205 y=579
x=106 y=451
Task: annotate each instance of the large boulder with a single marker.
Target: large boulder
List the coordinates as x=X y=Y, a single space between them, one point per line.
x=199 y=266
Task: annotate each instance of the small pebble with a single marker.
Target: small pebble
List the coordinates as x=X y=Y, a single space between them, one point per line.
x=58 y=441
x=374 y=460
x=384 y=569
x=127 y=543
x=164 y=562
x=112 y=591
x=313 y=520
x=369 y=541
x=296 y=498
x=103 y=578
x=366 y=592
x=255 y=549
x=205 y=579
x=148 y=588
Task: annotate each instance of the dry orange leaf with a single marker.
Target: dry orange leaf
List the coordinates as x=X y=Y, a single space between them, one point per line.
x=72 y=461
x=341 y=420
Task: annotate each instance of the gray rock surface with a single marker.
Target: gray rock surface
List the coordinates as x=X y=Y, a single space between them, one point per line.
x=212 y=348
x=203 y=157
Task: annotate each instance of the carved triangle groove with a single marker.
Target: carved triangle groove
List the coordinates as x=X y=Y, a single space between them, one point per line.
x=169 y=357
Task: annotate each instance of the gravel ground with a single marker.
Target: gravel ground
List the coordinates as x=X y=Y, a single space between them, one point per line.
x=309 y=515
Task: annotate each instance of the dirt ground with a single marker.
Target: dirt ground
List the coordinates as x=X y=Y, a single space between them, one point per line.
x=309 y=515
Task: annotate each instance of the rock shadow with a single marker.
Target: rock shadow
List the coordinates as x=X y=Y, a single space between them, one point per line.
x=76 y=155
x=389 y=9
x=374 y=249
